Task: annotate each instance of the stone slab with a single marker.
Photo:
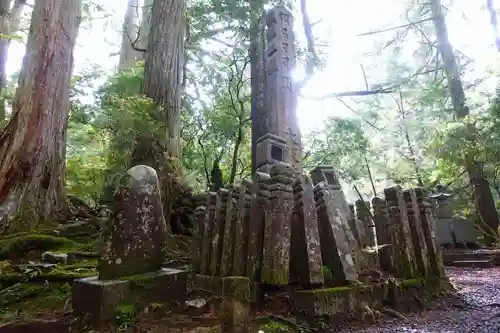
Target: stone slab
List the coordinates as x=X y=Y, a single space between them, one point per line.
x=218 y=232
x=336 y=251
x=99 y=299
x=306 y=264
x=208 y=231
x=242 y=225
x=168 y=286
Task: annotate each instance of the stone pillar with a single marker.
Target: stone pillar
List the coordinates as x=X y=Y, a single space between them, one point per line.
x=400 y=233
x=235 y=306
x=218 y=233
x=230 y=231
x=242 y=229
x=258 y=217
x=281 y=94
x=258 y=82
x=278 y=227
x=327 y=175
x=384 y=241
x=429 y=229
x=208 y=231
x=335 y=250
x=417 y=234
x=305 y=256
x=199 y=218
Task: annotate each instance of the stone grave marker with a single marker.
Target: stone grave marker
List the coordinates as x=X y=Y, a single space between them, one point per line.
x=135 y=240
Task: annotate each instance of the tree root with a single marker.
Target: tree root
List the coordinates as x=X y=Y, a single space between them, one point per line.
x=394 y=313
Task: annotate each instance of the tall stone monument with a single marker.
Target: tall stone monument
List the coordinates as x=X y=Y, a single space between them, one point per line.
x=280 y=142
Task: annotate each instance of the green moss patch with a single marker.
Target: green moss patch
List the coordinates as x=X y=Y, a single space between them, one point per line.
x=30 y=298
x=409 y=283
x=146 y=280
x=54 y=275
x=29 y=242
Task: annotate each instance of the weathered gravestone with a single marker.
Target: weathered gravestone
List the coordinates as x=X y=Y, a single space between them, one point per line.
x=135 y=240
x=133 y=251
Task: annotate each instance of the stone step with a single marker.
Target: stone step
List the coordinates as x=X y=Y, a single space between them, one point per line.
x=472 y=263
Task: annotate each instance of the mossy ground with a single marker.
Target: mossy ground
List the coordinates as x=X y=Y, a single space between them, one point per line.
x=33 y=300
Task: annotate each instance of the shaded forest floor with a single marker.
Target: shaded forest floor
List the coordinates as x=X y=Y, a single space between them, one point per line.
x=32 y=288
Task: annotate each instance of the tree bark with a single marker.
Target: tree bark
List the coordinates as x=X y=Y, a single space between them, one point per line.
x=483 y=197
x=163 y=84
x=128 y=56
x=493 y=22
x=10 y=18
x=145 y=26
x=32 y=146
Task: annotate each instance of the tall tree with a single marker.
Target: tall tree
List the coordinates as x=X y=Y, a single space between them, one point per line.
x=10 y=18
x=32 y=146
x=483 y=198
x=493 y=22
x=128 y=55
x=163 y=69
x=145 y=26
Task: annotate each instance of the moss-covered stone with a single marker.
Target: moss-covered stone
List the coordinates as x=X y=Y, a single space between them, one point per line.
x=235 y=307
x=28 y=242
x=412 y=283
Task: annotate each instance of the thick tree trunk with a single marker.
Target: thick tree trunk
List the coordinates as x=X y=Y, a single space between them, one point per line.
x=10 y=18
x=32 y=146
x=145 y=26
x=163 y=84
x=483 y=197
x=128 y=56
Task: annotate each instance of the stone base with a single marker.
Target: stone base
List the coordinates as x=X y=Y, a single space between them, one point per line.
x=168 y=286
x=210 y=284
x=349 y=301
x=101 y=298
x=98 y=299
x=205 y=285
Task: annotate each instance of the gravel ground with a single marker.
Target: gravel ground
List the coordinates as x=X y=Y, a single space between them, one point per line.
x=479 y=288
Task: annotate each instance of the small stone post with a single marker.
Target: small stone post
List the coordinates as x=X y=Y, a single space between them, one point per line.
x=235 y=306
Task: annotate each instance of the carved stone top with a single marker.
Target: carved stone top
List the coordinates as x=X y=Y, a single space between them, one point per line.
x=392 y=194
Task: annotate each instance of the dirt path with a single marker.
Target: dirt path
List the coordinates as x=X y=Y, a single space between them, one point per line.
x=480 y=290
